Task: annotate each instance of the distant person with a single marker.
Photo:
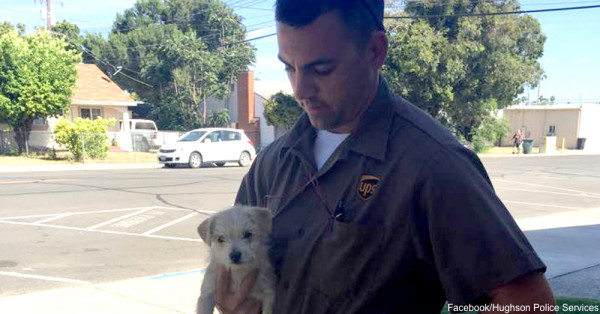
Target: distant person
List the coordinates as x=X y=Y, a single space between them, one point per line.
x=517 y=141
x=377 y=208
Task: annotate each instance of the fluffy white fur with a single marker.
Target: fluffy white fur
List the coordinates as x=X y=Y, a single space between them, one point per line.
x=238 y=239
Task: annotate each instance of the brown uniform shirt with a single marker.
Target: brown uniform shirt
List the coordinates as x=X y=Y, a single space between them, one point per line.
x=400 y=219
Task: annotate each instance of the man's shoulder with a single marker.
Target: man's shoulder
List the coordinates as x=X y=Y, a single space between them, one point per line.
x=269 y=155
x=414 y=127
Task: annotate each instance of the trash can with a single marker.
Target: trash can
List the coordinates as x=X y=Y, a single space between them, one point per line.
x=580 y=143
x=527 y=145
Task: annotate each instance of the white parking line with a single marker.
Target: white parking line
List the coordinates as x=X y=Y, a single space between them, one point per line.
x=99 y=231
x=543 y=205
x=48 y=278
x=170 y=223
x=102 y=224
x=548 y=192
x=75 y=213
x=548 y=187
x=51 y=219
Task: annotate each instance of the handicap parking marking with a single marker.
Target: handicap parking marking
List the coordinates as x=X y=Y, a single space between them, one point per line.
x=120 y=218
x=136 y=216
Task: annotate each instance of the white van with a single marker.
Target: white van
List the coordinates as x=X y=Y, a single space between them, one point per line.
x=144 y=134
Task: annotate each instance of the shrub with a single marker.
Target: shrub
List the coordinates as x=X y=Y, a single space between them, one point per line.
x=479 y=144
x=491 y=130
x=84 y=138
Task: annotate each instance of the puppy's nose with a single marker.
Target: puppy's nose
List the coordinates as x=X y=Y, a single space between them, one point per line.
x=235 y=257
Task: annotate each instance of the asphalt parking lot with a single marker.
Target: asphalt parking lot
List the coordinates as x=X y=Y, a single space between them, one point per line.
x=64 y=228
x=70 y=228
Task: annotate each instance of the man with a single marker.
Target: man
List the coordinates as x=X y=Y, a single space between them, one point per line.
x=517 y=140
x=376 y=207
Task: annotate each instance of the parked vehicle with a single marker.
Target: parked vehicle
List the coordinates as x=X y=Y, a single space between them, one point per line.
x=144 y=134
x=214 y=145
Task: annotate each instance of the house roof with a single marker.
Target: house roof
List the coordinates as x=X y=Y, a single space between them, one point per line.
x=94 y=87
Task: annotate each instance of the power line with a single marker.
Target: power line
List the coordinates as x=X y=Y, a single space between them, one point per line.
x=493 y=13
x=247 y=40
x=453 y=15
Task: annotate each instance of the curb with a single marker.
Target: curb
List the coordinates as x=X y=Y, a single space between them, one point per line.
x=78 y=167
x=537 y=155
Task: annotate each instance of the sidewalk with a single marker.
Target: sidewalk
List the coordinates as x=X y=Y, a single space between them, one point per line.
x=163 y=294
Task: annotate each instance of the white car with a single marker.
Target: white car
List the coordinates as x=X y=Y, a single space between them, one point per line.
x=211 y=145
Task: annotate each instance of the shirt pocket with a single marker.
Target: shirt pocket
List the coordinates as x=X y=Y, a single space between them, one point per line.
x=344 y=260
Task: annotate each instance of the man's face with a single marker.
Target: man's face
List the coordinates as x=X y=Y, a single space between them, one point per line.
x=332 y=80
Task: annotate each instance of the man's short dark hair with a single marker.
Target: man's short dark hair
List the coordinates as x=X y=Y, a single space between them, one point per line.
x=361 y=17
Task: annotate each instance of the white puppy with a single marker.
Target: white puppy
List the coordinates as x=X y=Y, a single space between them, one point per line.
x=238 y=240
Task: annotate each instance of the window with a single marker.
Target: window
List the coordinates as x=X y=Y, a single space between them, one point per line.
x=214 y=136
x=145 y=126
x=39 y=121
x=192 y=136
x=551 y=130
x=90 y=113
x=231 y=136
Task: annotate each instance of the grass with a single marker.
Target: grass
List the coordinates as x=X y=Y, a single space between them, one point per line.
x=563 y=303
x=62 y=158
x=496 y=150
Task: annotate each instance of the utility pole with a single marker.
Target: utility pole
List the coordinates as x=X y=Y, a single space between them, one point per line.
x=49 y=14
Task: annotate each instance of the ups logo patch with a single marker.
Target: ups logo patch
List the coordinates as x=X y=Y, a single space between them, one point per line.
x=367 y=185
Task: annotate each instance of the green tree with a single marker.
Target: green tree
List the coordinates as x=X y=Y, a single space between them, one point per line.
x=70 y=33
x=469 y=66
x=179 y=51
x=217 y=118
x=282 y=110
x=37 y=75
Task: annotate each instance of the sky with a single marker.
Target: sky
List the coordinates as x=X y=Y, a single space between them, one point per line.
x=571 y=59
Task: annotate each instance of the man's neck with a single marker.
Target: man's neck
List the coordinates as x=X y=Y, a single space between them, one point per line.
x=350 y=127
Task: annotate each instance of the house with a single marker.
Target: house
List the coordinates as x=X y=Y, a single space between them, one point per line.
x=94 y=95
x=573 y=122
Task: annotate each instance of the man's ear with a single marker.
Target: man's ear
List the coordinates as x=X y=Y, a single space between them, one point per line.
x=378 y=47
x=204 y=230
x=262 y=217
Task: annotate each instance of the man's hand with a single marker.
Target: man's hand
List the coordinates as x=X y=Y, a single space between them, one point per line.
x=238 y=302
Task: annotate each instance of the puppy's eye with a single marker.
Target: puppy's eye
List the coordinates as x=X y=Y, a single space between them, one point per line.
x=220 y=239
x=247 y=235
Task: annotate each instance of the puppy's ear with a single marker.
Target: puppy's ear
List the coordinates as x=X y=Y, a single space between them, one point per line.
x=263 y=218
x=204 y=230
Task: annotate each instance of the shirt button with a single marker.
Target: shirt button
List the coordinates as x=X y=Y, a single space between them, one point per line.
x=300 y=233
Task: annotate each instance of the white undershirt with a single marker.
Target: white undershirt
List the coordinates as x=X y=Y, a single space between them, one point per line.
x=325 y=144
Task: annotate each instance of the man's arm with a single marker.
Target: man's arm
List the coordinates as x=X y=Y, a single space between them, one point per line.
x=528 y=290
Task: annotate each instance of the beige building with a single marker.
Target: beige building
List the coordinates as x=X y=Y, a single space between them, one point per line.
x=572 y=122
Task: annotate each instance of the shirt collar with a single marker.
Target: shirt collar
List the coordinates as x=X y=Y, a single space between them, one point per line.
x=370 y=138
